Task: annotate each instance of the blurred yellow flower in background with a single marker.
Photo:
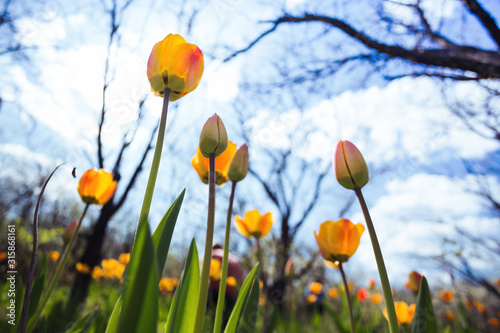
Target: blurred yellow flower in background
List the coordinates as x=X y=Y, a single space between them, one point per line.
x=231 y=281
x=82 y=268
x=113 y=269
x=449 y=316
x=222 y=162
x=54 y=255
x=215 y=269
x=315 y=288
x=176 y=65
x=167 y=285
x=404 y=313
x=97 y=273
x=96 y=186
x=333 y=293
x=254 y=224
x=311 y=298
x=338 y=241
x=124 y=258
x=376 y=299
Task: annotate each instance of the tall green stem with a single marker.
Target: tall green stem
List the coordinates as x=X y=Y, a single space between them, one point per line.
x=348 y=299
x=384 y=279
x=60 y=266
x=153 y=173
x=225 y=259
x=207 y=258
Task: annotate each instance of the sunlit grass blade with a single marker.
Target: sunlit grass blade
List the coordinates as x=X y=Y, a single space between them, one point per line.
x=38 y=287
x=115 y=315
x=20 y=290
x=139 y=312
x=163 y=233
x=424 y=320
x=244 y=313
x=185 y=301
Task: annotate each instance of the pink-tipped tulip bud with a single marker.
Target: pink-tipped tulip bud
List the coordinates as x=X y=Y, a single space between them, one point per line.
x=69 y=231
x=350 y=166
x=239 y=165
x=213 y=137
x=290 y=269
x=415 y=279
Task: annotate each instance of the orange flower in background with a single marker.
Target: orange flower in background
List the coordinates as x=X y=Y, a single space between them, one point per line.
x=350 y=285
x=414 y=281
x=371 y=283
x=449 y=316
x=215 y=269
x=167 y=285
x=124 y=258
x=446 y=296
x=376 y=299
x=311 y=298
x=362 y=294
x=231 y=281
x=262 y=299
x=176 y=65
x=404 y=313
x=333 y=293
x=315 y=288
x=477 y=305
x=494 y=322
x=222 y=162
x=96 y=186
x=54 y=256
x=82 y=268
x=338 y=241
x=3 y=256
x=113 y=269
x=254 y=224
x=97 y=273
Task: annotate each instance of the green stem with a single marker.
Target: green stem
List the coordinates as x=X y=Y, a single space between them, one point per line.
x=60 y=266
x=153 y=173
x=225 y=259
x=207 y=258
x=348 y=298
x=384 y=279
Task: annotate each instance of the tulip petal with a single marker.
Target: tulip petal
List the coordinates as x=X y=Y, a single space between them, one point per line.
x=241 y=227
x=266 y=224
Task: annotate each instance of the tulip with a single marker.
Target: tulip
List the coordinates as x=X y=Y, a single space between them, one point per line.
x=176 y=65
x=362 y=294
x=311 y=298
x=290 y=269
x=338 y=241
x=376 y=299
x=254 y=224
x=124 y=258
x=231 y=281
x=350 y=166
x=446 y=296
x=69 y=231
x=96 y=187
x=449 y=316
x=262 y=299
x=53 y=255
x=213 y=137
x=315 y=288
x=97 y=273
x=414 y=282
x=234 y=270
x=215 y=270
x=200 y=164
x=494 y=322
x=239 y=165
x=82 y=268
x=333 y=293
x=3 y=256
x=371 y=283
x=404 y=313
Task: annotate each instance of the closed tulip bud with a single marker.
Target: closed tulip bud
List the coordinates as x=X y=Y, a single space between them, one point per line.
x=290 y=269
x=69 y=231
x=415 y=278
x=213 y=137
x=350 y=166
x=239 y=165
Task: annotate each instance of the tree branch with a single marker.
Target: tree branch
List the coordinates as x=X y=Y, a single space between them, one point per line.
x=485 y=18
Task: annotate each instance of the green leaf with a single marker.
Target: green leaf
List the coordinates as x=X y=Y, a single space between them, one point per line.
x=20 y=290
x=244 y=313
x=181 y=316
x=163 y=233
x=38 y=287
x=424 y=320
x=139 y=312
x=115 y=315
x=83 y=324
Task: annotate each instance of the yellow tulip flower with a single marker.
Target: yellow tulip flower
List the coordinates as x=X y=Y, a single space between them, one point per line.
x=337 y=241
x=254 y=224
x=404 y=313
x=200 y=164
x=96 y=187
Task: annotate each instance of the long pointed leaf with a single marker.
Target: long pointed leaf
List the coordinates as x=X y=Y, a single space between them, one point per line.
x=424 y=320
x=38 y=286
x=185 y=301
x=163 y=233
x=115 y=315
x=242 y=301
x=139 y=311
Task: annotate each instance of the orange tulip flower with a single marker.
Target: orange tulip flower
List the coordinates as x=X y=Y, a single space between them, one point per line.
x=124 y=258
x=404 y=313
x=96 y=186
x=449 y=316
x=333 y=293
x=414 y=281
x=222 y=162
x=494 y=322
x=254 y=224
x=176 y=65
x=97 y=273
x=82 y=268
x=3 y=256
x=53 y=255
x=337 y=241
x=446 y=296
x=315 y=288
x=376 y=299
x=215 y=270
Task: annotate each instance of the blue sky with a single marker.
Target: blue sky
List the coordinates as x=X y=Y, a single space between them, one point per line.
x=414 y=147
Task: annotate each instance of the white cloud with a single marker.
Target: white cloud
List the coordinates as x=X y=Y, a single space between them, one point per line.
x=222 y=81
